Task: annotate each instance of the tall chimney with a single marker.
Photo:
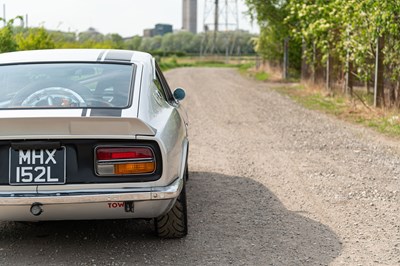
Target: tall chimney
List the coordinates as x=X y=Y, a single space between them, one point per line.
x=189 y=15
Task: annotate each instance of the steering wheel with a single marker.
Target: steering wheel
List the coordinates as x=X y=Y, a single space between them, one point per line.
x=51 y=92
x=54 y=96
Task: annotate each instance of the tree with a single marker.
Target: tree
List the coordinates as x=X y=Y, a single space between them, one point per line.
x=7 y=38
x=60 y=37
x=195 y=44
x=274 y=30
x=145 y=44
x=151 y=44
x=351 y=31
x=34 y=39
x=237 y=42
x=116 y=39
x=133 y=43
x=90 y=34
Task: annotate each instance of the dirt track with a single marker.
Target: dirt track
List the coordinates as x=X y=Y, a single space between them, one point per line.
x=270 y=184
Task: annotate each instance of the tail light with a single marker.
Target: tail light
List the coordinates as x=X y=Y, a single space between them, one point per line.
x=124 y=161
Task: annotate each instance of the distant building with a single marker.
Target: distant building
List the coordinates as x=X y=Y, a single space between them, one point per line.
x=189 y=15
x=159 y=29
x=148 y=33
x=162 y=29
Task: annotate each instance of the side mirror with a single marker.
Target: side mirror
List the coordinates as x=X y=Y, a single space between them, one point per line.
x=179 y=94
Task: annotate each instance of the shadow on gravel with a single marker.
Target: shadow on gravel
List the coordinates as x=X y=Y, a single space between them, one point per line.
x=233 y=220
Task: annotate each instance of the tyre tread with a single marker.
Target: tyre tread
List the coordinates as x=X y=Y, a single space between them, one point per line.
x=174 y=223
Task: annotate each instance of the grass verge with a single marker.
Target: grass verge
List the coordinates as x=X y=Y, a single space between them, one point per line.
x=173 y=62
x=261 y=76
x=356 y=110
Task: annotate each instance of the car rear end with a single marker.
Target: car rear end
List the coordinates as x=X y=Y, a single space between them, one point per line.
x=78 y=178
x=72 y=146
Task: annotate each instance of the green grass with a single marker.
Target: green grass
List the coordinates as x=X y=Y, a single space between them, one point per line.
x=354 y=111
x=319 y=102
x=244 y=68
x=167 y=65
x=170 y=63
x=212 y=64
x=315 y=100
x=383 y=125
x=261 y=76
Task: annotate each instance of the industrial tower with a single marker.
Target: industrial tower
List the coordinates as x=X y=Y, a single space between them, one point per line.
x=219 y=15
x=189 y=15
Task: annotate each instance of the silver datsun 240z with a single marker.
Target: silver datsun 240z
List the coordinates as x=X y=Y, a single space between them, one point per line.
x=91 y=134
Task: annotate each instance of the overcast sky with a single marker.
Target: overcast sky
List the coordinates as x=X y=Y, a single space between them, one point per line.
x=126 y=17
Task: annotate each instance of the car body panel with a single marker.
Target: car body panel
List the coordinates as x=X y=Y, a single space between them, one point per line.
x=73 y=127
x=78 y=203
x=86 y=211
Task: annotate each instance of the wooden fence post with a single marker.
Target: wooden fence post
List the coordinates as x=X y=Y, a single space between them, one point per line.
x=305 y=69
x=348 y=76
x=285 y=72
x=379 y=100
x=328 y=73
x=314 y=64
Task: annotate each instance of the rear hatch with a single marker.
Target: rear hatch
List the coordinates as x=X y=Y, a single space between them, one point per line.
x=72 y=127
x=62 y=150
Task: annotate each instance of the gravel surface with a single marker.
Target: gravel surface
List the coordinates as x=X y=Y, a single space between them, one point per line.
x=271 y=183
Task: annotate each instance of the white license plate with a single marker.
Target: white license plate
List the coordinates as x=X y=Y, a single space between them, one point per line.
x=33 y=167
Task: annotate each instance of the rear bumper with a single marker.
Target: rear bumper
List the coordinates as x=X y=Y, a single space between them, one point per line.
x=99 y=204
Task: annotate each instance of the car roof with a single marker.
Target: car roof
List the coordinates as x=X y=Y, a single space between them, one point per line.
x=75 y=55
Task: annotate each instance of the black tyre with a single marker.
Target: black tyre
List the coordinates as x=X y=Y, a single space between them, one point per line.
x=174 y=223
x=186 y=175
x=187 y=164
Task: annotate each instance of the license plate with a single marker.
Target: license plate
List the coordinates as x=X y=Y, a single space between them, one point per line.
x=33 y=167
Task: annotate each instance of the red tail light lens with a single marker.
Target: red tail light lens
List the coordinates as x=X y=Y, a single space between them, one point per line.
x=104 y=154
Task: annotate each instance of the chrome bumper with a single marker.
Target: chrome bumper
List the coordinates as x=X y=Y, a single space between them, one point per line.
x=171 y=191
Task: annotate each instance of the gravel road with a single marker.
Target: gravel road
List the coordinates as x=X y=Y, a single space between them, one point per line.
x=271 y=183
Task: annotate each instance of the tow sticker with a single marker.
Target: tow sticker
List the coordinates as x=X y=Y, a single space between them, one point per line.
x=128 y=206
x=115 y=205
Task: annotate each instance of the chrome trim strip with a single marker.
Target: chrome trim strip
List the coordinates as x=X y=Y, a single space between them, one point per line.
x=81 y=196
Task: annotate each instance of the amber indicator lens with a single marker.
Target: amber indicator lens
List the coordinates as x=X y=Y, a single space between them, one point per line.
x=134 y=168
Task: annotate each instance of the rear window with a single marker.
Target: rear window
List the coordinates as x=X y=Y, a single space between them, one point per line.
x=65 y=85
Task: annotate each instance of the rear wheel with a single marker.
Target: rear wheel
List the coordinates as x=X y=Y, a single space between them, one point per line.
x=186 y=175
x=174 y=223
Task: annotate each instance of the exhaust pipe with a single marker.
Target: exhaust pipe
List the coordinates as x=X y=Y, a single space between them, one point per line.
x=36 y=209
